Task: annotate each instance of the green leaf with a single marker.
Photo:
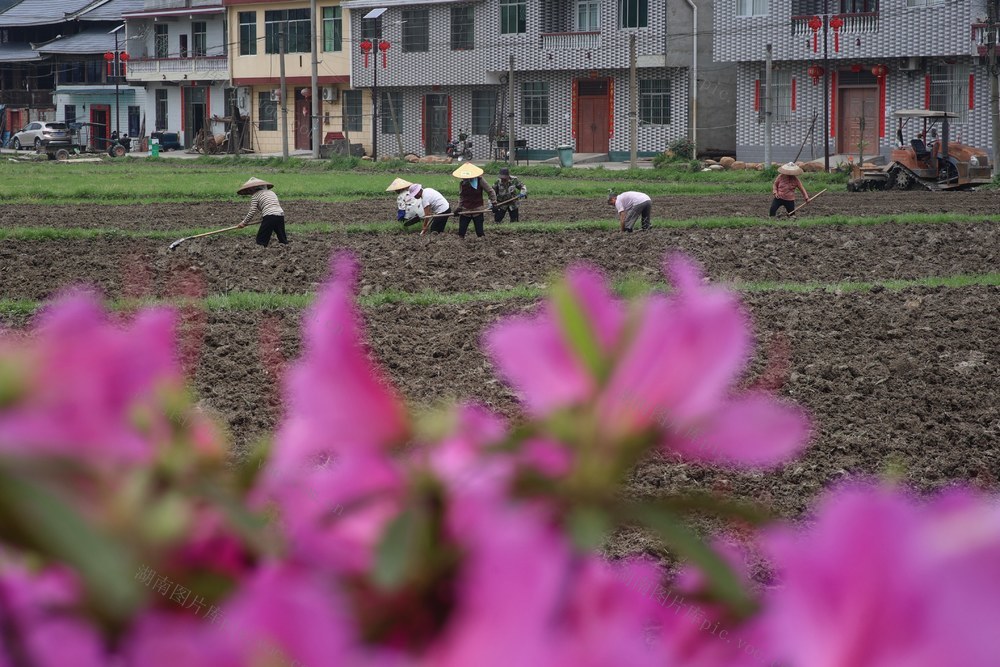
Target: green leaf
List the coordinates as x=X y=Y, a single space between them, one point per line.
x=576 y=327
x=588 y=526
x=52 y=527
x=723 y=583
x=397 y=548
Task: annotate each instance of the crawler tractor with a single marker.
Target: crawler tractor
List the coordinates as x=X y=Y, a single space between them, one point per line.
x=929 y=162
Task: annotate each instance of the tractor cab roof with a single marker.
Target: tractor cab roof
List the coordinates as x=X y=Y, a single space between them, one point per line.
x=924 y=113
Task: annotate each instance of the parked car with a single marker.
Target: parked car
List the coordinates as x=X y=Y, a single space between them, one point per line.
x=36 y=133
x=169 y=141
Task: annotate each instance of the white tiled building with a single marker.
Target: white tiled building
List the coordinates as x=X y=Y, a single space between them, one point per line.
x=932 y=52
x=447 y=64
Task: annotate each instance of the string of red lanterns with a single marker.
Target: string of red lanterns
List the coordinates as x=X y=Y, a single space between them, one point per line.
x=367 y=46
x=109 y=58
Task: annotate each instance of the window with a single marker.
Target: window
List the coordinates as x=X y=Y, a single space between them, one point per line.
x=333 y=29
x=182 y=45
x=160 y=45
x=69 y=114
x=588 y=15
x=950 y=90
x=751 y=7
x=386 y=111
x=484 y=105
x=267 y=112
x=654 y=101
x=161 y=110
x=812 y=7
x=296 y=24
x=512 y=17
x=781 y=91
x=535 y=103
x=371 y=28
x=462 y=28
x=352 y=110
x=248 y=33
x=923 y=3
x=133 y=121
x=857 y=6
x=634 y=13
x=199 y=39
x=416 y=30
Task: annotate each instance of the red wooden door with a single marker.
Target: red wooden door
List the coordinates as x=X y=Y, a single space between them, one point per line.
x=858 y=121
x=303 y=126
x=592 y=128
x=100 y=116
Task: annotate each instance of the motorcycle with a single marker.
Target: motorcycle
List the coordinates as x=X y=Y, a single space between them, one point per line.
x=460 y=148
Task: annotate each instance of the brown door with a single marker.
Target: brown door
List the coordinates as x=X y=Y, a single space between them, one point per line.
x=857 y=129
x=303 y=128
x=99 y=131
x=592 y=131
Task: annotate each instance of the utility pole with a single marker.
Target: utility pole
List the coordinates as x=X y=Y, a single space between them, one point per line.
x=118 y=107
x=284 y=108
x=375 y=127
x=826 y=88
x=994 y=15
x=511 y=141
x=633 y=105
x=314 y=78
x=767 y=108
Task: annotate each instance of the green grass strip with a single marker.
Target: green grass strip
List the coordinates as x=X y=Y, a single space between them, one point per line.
x=627 y=286
x=62 y=233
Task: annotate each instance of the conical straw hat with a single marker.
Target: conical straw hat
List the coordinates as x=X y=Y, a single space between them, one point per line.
x=790 y=169
x=398 y=184
x=467 y=170
x=252 y=185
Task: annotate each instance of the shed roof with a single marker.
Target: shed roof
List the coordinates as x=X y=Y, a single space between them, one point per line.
x=89 y=41
x=112 y=11
x=14 y=52
x=41 y=12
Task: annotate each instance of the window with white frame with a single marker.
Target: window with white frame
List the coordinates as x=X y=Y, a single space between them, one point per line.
x=296 y=25
x=267 y=112
x=513 y=17
x=352 y=110
x=588 y=15
x=199 y=39
x=248 y=33
x=416 y=30
x=535 y=103
x=333 y=29
x=751 y=7
x=654 y=101
x=781 y=94
x=633 y=13
x=950 y=90
x=160 y=44
x=463 y=28
x=923 y=3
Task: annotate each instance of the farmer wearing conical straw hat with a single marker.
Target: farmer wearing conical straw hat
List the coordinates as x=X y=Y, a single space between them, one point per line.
x=266 y=202
x=400 y=187
x=470 y=198
x=784 y=188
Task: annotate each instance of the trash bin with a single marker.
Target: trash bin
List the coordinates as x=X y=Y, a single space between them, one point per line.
x=154 y=147
x=565 y=156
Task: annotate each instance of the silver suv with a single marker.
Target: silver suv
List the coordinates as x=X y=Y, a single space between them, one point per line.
x=37 y=133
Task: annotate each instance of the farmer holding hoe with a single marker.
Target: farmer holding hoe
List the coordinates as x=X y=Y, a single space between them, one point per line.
x=784 y=188
x=508 y=188
x=630 y=205
x=470 y=198
x=266 y=203
x=429 y=204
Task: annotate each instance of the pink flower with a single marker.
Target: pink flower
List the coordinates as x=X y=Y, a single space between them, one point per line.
x=81 y=382
x=670 y=364
x=883 y=580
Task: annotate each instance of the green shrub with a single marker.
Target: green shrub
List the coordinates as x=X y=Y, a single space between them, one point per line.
x=682 y=149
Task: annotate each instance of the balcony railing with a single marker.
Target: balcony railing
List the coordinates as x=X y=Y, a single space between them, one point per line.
x=981 y=40
x=571 y=40
x=854 y=24
x=177 y=65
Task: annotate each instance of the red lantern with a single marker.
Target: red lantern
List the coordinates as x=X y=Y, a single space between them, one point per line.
x=108 y=58
x=123 y=58
x=815 y=23
x=366 y=47
x=856 y=68
x=836 y=23
x=815 y=73
x=880 y=71
x=383 y=46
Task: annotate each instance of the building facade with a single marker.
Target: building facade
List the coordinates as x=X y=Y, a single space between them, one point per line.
x=254 y=30
x=883 y=55
x=447 y=65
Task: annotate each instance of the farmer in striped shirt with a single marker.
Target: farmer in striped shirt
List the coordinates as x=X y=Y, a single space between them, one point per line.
x=266 y=202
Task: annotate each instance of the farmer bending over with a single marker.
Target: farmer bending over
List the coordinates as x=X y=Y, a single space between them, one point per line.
x=266 y=202
x=430 y=205
x=400 y=186
x=630 y=205
x=470 y=198
x=508 y=187
x=784 y=188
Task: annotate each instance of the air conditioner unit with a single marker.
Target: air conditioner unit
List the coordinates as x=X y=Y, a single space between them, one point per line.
x=331 y=94
x=276 y=95
x=911 y=64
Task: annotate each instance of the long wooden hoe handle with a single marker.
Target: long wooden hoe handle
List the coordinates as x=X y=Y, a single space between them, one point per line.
x=802 y=205
x=198 y=236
